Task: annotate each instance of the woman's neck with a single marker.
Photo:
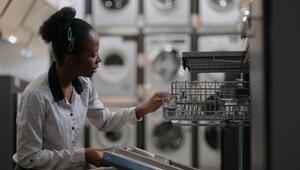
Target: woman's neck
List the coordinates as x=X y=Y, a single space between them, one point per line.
x=65 y=76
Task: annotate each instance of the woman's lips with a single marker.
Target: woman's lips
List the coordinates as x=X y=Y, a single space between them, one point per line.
x=95 y=69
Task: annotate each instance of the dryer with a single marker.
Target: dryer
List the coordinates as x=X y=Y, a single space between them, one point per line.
x=126 y=136
x=164 y=53
x=167 y=13
x=219 y=14
x=112 y=13
x=168 y=140
x=117 y=75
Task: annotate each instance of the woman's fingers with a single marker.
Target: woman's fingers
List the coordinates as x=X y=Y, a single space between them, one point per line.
x=164 y=99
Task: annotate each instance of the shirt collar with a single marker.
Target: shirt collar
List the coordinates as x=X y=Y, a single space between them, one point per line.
x=55 y=87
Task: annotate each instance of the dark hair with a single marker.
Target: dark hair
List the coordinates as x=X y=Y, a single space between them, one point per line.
x=57 y=29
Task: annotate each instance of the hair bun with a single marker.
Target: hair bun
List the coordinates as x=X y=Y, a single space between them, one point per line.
x=57 y=23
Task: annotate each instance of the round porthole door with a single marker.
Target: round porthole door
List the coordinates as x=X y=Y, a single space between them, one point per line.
x=121 y=137
x=114 y=4
x=167 y=63
x=212 y=136
x=221 y=5
x=114 y=68
x=168 y=138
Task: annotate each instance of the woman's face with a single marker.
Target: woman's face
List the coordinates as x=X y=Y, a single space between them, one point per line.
x=89 y=59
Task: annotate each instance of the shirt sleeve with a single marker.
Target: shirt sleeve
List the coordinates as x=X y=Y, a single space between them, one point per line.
x=106 y=120
x=30 y=151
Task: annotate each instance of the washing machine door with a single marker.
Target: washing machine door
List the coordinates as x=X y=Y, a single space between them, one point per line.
x=167 y=63
x=114 y=68
x=212 y=137
x=221 y=5
x=165 y=5
x=120 y=138
x=114 y=4
x=167 y=138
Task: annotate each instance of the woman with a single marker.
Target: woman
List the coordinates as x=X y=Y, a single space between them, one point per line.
x=54 y=106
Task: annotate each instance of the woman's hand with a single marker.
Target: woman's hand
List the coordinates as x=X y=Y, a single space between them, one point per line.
x=152 y=104
x=94 y=156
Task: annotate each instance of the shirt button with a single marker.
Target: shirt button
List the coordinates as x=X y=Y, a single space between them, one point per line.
x=73 y=142
x=71 y=114
x=73 y=128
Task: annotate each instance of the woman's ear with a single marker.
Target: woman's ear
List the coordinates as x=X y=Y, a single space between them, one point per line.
x=70 y=60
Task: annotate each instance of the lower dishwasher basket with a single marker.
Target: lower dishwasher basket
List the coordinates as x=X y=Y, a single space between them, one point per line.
x=209 y=103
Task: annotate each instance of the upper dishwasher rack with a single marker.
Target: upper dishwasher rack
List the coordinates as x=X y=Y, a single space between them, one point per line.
x=215 y=61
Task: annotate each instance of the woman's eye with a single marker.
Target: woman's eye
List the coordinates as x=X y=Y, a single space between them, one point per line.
x=94 y=55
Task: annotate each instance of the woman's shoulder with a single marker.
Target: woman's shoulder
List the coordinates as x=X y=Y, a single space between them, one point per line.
x=37 y=87
x=85 y=81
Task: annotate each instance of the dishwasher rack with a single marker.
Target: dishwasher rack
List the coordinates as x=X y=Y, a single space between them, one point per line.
x=216 y=61
x=212 y=103
x=209 y=103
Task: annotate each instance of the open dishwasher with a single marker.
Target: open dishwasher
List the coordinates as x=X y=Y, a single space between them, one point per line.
x=211 y=103
x=225 y=105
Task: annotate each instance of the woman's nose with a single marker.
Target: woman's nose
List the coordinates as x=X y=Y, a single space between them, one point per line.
x=99 y=60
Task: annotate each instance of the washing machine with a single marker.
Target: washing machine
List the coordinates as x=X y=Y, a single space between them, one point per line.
x=123 y=137
x=209 y=148
x=168 y=140
x=167 y=13
x=108 y=13
x=219 y=14
x=117 y=74
x=164 y=57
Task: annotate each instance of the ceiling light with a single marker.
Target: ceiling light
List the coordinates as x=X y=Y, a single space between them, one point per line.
x=26 y=53
x=12 y=39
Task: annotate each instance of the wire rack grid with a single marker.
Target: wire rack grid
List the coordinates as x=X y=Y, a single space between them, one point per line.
x=209 y=102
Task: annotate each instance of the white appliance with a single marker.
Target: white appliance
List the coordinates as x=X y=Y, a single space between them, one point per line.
x=209 y=148
x=219 y=43
x=108 y=13
x=219 y=14
x=123 y=137
x=116 y=75
x=167 y=13
x=164 y=57
x=168 y=140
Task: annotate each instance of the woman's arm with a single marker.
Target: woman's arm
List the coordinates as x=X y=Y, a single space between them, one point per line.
x=105 y=120
x=152 y=104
